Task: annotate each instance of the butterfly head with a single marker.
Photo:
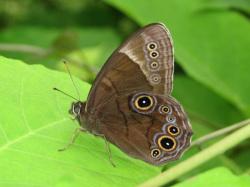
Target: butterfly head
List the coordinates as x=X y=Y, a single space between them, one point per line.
x=77 y=108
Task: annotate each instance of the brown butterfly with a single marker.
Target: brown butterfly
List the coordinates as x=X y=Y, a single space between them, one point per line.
x=130 y=104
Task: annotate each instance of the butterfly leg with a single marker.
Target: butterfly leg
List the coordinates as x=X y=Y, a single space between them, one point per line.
x=73 y=138
x=107 y=149
x=73 y=118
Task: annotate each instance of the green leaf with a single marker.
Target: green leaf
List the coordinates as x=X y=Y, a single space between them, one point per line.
x=241 y=155
x=86 y=36
x=212 y=46
x=85 y=48
x=34 y=124
x=220 y=176
x=243 y=5
x=202 y=104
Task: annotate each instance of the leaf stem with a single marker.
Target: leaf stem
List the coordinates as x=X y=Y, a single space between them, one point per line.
x=25 y=48
x=219 y=132
x=214 y=150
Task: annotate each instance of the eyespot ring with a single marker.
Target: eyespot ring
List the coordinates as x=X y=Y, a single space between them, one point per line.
x=155 y=153
x=171 y=119
x=167 y=143
x=155 y=79
x=164 y=109
x=152 y=46
x=154 y=65
x=154 y=54
x=173 y=130
x=144 y=102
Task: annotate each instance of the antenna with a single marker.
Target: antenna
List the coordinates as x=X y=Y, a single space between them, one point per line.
x=77 y=91
x=56 y=89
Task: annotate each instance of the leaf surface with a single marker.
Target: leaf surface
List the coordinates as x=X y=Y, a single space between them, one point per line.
x=34 y=124
x=212 y=46
x=220 y=176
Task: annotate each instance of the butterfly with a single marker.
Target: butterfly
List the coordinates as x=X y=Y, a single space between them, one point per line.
x=130 y=102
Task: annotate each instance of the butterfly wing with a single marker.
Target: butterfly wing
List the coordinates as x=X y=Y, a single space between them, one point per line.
x=142 y=63
x=142 y=66
x=155 y=134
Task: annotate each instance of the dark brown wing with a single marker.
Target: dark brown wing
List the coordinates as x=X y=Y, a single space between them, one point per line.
x=143 y=64
x=132 y=67
x=139 y=134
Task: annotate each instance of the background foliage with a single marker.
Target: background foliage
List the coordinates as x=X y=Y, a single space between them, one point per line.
x=211 y=40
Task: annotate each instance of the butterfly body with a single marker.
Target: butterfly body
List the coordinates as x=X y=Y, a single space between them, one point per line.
x=130 y=102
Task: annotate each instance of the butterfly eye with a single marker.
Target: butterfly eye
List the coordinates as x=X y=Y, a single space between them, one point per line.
x=144 y=102
x=164 y=109
x=76 y=109
x=155 y=153
x=173 y=130
x=152 y=46
x=171 y=119
x=154 y=54
x=167 y=143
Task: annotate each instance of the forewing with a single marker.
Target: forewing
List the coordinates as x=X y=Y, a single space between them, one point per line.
x=134 y=67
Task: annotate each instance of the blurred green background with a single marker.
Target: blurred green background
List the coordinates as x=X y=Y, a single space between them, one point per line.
x=212 y=53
